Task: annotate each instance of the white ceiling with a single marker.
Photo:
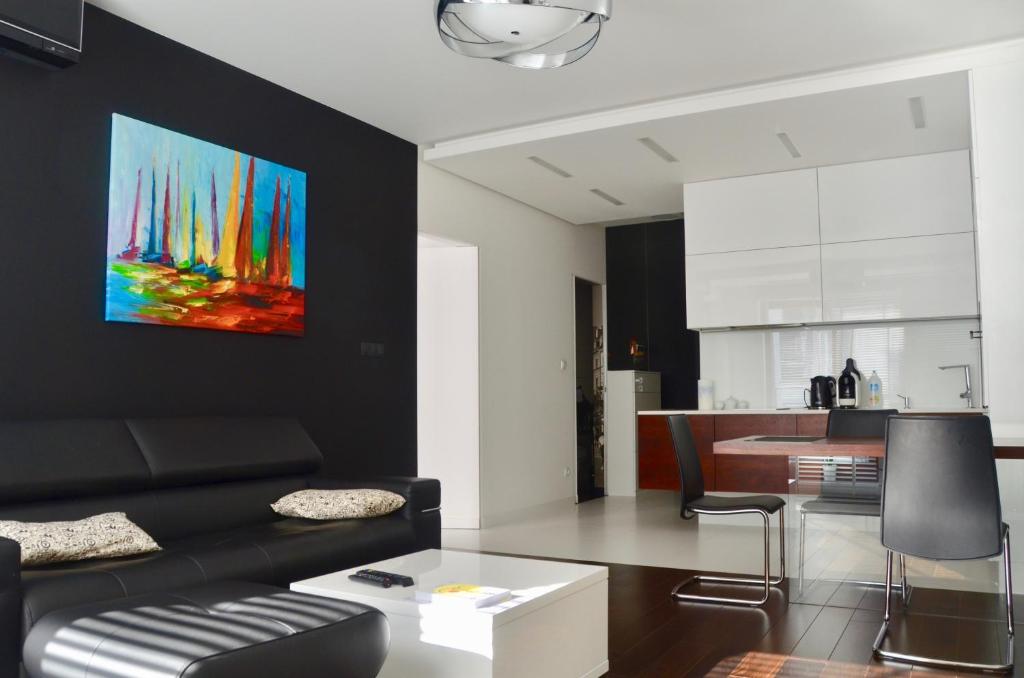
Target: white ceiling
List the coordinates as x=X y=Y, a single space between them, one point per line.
x=865 y=123
x=382 y=62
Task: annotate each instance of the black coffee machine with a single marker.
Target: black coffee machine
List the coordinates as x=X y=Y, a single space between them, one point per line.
x=822 y=393
x=850 y=386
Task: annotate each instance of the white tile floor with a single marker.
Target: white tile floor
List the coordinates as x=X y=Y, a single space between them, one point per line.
x=647 y=530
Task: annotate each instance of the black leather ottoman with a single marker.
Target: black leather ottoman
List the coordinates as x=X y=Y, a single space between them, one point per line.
x=222 y=630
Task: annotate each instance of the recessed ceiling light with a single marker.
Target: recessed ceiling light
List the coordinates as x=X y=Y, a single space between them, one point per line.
x=549 y=167
x=788 y=143
x=604 y=196
x=658 y=150
x=917 y=112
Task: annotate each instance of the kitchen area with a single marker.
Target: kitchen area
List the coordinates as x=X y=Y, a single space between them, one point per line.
x=843 y=275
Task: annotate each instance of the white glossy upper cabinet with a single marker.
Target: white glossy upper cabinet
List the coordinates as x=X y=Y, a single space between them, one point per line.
x=760 y=287
x=755 y=212
x=917 y=195
x=923 y=277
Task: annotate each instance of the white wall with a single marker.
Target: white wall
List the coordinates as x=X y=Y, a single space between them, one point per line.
x=448 y=378
x=527 y=260
x=998 y=122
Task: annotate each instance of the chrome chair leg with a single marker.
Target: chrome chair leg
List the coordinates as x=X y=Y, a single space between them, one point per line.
x=888 y=586
x=1008 y=575
x=905 y=589
x=782 y=544
x=803 y=535
x=767 y=582
x=1004 y=667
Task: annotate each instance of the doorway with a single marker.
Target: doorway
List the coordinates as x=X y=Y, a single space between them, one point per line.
x=448 y=375
x=589 y=388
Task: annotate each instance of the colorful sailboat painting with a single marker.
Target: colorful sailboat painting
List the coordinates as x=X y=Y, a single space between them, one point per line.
x=199 y=235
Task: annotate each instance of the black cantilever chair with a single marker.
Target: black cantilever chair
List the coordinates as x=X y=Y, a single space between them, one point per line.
x=940 y=501
x=694 y=501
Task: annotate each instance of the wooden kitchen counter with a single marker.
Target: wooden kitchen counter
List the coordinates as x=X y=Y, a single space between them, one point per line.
x=729 y=466
x=656 y=460
x=827 y=447
x=819 y=447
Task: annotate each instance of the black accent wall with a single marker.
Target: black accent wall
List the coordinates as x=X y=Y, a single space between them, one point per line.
x=647 y=300
x=58 y=358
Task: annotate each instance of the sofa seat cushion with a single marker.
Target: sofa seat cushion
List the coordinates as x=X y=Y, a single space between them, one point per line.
x=217 y=630
x=187 y=562
x=278 y=552
x=298 y=548
x=291 y=549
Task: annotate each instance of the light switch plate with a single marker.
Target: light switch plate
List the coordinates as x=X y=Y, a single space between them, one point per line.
x=371 y=349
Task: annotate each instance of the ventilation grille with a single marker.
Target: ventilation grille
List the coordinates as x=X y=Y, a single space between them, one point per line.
x=604 y=196
x=549 y=167
x=839 y=477
x=788 y=143
x=917 y=112
x=658 y=150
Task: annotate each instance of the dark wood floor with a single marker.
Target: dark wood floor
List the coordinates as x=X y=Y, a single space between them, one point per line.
x=652 y=635
x=826 y=631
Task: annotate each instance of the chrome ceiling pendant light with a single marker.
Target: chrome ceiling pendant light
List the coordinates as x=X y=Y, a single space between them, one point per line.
x=525 y=33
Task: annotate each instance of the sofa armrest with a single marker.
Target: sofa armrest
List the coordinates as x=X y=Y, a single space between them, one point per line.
x=10 y=607
x=422 y=502
x=421 y=494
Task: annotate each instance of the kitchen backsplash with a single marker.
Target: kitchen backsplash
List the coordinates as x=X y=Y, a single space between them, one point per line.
x=771 y=368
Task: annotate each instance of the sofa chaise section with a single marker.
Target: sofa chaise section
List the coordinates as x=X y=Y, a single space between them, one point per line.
x=202 y=487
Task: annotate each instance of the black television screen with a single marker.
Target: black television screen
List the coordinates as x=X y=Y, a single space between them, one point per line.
x=57 y=20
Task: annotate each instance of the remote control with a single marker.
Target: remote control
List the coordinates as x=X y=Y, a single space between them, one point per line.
x=383 y=579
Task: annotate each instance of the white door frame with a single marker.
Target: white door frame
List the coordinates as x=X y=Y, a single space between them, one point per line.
x=463 y=508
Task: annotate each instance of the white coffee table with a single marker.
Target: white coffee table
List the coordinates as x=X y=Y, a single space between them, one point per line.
x=555 y=625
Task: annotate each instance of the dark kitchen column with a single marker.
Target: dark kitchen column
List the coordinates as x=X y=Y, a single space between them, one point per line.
x=647 y=301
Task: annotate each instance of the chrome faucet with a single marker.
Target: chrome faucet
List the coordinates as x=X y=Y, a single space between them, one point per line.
x=906 y=400
x=966 y=395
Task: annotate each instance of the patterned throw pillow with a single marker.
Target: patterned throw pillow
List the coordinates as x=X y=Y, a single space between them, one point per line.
x=338 y=504
x=108 y=535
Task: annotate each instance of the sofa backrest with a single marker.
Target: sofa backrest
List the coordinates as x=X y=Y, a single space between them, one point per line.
x=174 y=477
x=173 y=513
x=203 y=509
x=188 y=451
x=42 y=460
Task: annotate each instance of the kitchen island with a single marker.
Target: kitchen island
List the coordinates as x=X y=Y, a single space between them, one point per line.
x=756 y=473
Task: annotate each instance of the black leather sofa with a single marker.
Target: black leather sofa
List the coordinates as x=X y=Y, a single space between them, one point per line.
x=202 y=487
